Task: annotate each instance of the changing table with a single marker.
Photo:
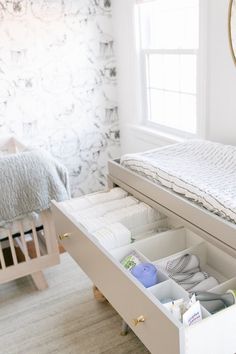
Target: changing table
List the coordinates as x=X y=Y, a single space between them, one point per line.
x=190 y=228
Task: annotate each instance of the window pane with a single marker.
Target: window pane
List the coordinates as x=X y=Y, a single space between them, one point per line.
x=172 y=72
x=173 y=110
x=188 y=69
x=157 y=107
x=164 y=108
x=188 y=116
x=169 y=24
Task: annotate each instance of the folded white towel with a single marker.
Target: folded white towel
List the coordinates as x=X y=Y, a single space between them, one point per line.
x=90 y=200
x=134 y=216
x=101 y=209
x=113 y=236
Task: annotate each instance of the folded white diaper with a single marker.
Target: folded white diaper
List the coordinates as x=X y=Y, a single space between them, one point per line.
x=94 y=224
x=113 y=236
x=134 y=216
x=74 y=204
x=90 y=200
x=113 y=194
x=101 y=209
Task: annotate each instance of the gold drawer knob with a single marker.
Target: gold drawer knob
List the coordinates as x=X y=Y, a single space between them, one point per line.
x=139 y=320
x=64 y=236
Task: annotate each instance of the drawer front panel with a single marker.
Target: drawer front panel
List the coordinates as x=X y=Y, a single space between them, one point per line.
x=215 y=335
x=128 y=297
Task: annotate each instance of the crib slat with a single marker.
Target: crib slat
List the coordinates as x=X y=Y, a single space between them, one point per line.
x=22 y=237
x=2 y=259
x=35 y=238
x=13 y=252
x=46 y=224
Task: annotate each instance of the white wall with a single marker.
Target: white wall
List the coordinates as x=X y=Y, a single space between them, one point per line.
x=221 y=76
x=220 y=79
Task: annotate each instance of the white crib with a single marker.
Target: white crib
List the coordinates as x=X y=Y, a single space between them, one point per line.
x=43 y=251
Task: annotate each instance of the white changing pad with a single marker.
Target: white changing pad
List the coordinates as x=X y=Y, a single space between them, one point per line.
x=202 y=171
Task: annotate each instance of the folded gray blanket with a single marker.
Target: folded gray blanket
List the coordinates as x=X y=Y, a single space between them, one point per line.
x=28 y=182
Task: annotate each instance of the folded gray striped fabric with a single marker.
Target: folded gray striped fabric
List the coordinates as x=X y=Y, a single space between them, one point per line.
x=183 y=264
x=186 y=271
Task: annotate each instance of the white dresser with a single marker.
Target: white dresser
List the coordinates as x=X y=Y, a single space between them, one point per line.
x=141 y=307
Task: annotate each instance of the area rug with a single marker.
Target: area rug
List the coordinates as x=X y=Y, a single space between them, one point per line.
x=64 y=319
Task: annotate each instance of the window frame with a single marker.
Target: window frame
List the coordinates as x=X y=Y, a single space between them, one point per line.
x=201 y=71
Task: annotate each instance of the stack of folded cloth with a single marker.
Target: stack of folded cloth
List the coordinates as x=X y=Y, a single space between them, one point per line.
x=186 y=271
x=112 y=217
x=101 y=210
x=90 y=200
x=113 y=236
x=132 y=217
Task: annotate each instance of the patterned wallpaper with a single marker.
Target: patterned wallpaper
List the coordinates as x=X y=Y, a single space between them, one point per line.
x=58 y=83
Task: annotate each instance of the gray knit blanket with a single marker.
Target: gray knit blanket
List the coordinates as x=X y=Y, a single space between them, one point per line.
x=28 y=182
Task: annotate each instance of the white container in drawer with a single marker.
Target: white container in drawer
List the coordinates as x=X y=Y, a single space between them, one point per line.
x=120 y=253
x=160 y=332
x=224 y=287
x=168 y=289
x=167 y=243
x=212 y=260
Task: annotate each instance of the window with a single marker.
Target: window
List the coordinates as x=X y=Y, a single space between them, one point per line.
x=169 y=45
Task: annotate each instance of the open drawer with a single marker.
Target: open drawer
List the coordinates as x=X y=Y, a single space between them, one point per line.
x=159 y=330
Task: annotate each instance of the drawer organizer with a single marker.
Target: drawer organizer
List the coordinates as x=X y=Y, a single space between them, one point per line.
x=159 y=241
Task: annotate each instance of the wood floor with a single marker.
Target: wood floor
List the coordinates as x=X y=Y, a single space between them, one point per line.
x=64 y=319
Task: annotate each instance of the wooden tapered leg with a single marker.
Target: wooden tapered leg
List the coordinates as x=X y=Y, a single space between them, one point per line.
x=39 y=280
x=124 y=328
x=98 y=295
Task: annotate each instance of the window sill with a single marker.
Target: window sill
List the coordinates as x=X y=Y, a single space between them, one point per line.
x=154 y=136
